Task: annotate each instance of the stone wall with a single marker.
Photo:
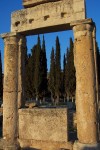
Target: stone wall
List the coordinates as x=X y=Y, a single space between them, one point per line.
x=43 y=124
x=48 y=17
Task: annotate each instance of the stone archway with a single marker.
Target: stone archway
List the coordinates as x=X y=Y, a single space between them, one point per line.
x=44 y=16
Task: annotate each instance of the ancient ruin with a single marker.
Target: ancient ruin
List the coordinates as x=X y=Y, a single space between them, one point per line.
x=44 y=16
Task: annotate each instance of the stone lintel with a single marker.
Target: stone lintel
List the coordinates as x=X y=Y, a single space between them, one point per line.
x=83 y=21
x=32 y=3
x=52 y=16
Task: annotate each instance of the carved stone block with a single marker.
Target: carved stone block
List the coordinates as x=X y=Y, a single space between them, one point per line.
x=48 y=17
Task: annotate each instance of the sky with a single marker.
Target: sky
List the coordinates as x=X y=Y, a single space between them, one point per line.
x=8 y=6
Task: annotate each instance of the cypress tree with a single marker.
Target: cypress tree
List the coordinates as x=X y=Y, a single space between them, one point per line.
x=63 y=77
x=43 y=70
x=58 y=70
x=33 y=57
x=37 y=76
x=70 y=71
x=52 y=75
x=67 y=67
x=28 y=84
x=1 y=80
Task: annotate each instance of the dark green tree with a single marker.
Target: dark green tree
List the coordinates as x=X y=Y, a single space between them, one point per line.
x=43 y=71
x=67 y=68
x=52 y=75
x=57 y=71
x=70 y=80
x=37 y=75
x=63 y=75
x=28 y=77
x=1 y=78
x=33 y=57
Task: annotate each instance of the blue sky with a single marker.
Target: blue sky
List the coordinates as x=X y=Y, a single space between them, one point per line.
x=8 y=6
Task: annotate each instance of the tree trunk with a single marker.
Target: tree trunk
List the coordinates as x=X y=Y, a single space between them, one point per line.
x=52 y=98
x=57 y=100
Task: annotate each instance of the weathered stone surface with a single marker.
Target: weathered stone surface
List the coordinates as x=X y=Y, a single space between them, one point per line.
x=11 y=60
x=4 y=145
x=8 y=34
x=45 y=145
x=85 y=84
x=48 y=17
x=82 y=21
x=10 y=113
x=43 y=124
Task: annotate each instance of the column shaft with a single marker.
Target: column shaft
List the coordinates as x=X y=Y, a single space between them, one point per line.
x=10 y=112
x=86 y=103
x=21 y=72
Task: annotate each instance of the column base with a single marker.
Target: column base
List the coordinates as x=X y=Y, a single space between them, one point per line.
x=80 y=146
x=8 y=146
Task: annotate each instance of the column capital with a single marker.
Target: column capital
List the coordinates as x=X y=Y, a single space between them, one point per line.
x=11 y=38
x=83 y=21
x=83 y=28
x=8 y=34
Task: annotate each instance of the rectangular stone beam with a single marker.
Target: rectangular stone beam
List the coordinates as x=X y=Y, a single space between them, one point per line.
x=32 y=3
x=48 y=17
x=44 y=124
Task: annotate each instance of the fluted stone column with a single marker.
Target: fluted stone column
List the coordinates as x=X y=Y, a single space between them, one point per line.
x=10 y=91
x=86 y=97
x=21 y=71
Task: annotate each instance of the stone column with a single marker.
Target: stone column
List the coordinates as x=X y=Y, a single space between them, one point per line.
x=86 y=100
x=21 y=72
x=10 y=90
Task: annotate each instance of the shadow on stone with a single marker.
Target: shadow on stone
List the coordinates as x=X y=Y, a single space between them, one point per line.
x=29 y=148
x=92 y=148
x=99 y=120
x=72 y=130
